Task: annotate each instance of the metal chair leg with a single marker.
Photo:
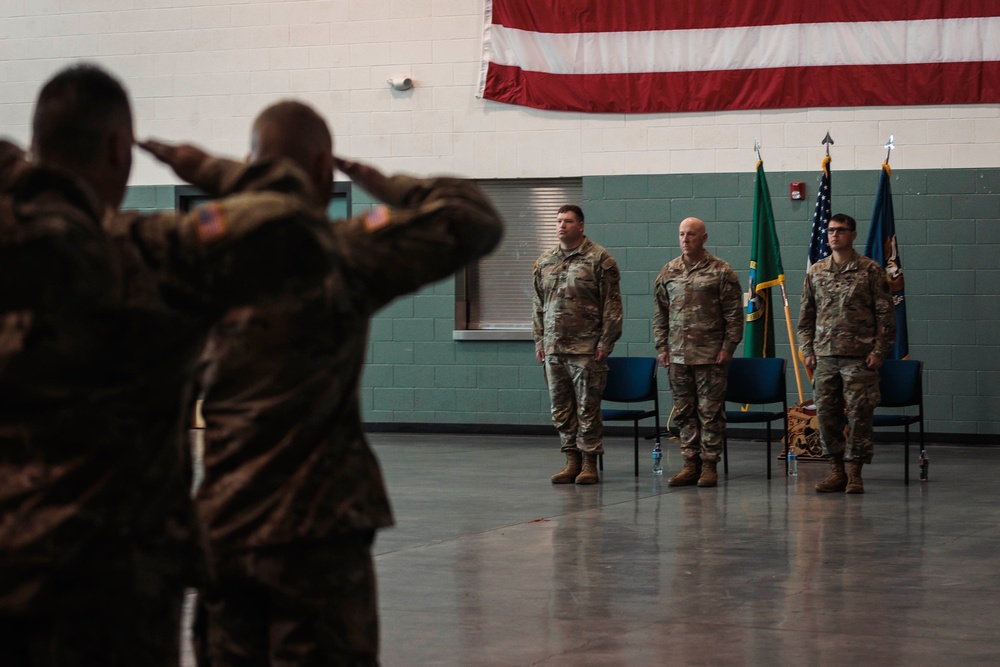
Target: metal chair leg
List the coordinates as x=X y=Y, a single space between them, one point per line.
x=725 y=453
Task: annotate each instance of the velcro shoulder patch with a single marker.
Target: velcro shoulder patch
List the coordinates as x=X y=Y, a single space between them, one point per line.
x=212 y=223
x=377 y=218
x=610 y=269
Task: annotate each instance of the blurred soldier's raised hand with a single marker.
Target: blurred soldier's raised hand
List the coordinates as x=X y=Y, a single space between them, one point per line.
x=373 y=181
x=184 y=159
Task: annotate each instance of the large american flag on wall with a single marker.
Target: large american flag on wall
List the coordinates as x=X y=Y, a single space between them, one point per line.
x=642 y=56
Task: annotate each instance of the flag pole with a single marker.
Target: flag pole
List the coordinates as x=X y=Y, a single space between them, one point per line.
x=791 y=340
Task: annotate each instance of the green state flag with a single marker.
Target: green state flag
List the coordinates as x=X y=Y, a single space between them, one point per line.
x=765 y=272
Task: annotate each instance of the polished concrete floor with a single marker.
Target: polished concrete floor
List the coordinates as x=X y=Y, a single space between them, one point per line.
x=492 y=565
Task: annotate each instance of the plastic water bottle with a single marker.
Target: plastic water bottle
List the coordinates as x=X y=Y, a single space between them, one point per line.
x=657 y=459
x=793 y=462
x=925 y=463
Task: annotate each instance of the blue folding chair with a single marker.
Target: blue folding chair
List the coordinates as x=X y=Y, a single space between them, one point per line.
x=901 y=385
x=753 y=381
x=631 y=380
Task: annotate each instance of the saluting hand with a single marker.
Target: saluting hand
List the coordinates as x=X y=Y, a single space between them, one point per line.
x=184 y=159
x=373 y=181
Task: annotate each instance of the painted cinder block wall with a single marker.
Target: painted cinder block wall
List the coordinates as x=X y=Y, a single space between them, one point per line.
x=200 y=70
x=948 y=228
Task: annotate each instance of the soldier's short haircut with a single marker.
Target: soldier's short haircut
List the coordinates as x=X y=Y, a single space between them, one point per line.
x=574 y=209
x=77 y=110
x=295 y=131
x=846 y=219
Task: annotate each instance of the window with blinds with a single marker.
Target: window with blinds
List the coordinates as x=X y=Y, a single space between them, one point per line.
x=493 y=296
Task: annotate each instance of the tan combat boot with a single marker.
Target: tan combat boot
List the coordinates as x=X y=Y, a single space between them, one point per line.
x=837 y=481
x=688 y=475
x=589 y=473
x=568 y=474
x=854 y=483
x=709 y=475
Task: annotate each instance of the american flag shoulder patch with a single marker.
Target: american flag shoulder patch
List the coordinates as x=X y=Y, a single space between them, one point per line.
x=377 y=218
x=211 y=222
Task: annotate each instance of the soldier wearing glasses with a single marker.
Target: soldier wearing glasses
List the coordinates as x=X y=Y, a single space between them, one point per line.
x=846 y=327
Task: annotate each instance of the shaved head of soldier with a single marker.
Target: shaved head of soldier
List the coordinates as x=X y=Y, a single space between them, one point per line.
x=82 y=125
x=294 y=131
x=692 y=238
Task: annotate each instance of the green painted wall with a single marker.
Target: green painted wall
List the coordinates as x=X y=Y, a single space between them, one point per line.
x=948 y=228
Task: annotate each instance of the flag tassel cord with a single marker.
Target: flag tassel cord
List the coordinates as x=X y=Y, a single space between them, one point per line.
x=791 y=340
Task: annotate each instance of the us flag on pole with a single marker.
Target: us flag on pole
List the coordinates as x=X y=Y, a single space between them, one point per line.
x=612 y=56
x=819 y=246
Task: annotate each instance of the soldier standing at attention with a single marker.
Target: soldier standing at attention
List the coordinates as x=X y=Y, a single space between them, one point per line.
x=846 y=327
x=292 y=492
x=697 y=325
x=577 y=319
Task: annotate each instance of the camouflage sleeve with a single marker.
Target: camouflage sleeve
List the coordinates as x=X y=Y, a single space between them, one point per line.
x=661 y=317
x=611 y=309
x=228 y=250
x=885 y=312
x=807 y=318
x=439 y=226
x=220 y=176
x=731 y=301
x=537 y=310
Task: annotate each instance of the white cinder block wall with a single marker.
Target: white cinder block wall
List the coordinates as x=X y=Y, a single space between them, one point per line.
x=199 y=70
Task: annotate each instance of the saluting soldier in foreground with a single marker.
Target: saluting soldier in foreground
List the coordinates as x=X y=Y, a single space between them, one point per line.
x=292 y=493
x=100 y=328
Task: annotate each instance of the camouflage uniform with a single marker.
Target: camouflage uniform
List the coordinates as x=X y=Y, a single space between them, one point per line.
x=100 y=329
x=699 y=311
x=846 y=314
x=577 y=311
x=289 y=474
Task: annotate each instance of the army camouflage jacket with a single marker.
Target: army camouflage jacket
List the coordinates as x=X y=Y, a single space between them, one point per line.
x=698 y=310
x=286 y=457
x=577 y=302
x=100 y=328
x=846 y=310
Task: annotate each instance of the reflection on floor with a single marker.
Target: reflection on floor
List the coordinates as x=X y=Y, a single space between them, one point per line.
x=490 y=564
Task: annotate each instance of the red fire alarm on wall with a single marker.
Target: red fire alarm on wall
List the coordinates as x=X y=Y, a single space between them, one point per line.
x=798 y=190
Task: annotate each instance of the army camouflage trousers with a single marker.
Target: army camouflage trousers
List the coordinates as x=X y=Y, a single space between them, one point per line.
x=576 y=383
x=839 y=382
x=699 y=393
x=304 y=604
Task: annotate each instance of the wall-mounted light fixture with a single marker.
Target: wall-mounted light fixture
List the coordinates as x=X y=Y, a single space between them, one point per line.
x=401 y=83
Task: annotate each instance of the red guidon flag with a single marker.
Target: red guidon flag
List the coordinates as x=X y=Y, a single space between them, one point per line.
x=645 y=56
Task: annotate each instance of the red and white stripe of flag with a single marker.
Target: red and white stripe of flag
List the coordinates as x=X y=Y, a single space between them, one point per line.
x=710 y=55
